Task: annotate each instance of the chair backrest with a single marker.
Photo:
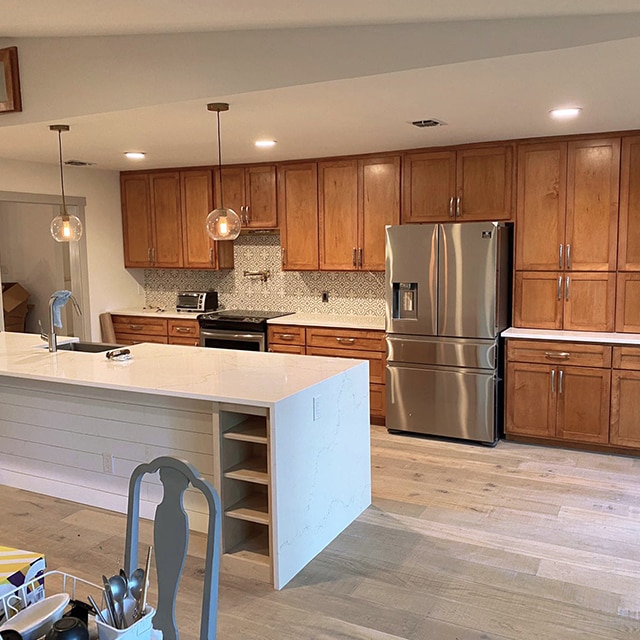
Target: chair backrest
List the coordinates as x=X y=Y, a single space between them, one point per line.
x=171 y=536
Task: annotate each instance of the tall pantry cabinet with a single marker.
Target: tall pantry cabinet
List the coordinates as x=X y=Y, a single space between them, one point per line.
x=566 y=235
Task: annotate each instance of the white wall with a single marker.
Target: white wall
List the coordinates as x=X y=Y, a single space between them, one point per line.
x=110 y=285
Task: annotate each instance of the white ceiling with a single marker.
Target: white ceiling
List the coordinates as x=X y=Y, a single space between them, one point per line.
x=492 y=74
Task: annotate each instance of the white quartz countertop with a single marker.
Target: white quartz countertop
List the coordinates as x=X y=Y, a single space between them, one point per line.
x=328 y=320
x=219 y=375
x=573 y=336
x=153 y=312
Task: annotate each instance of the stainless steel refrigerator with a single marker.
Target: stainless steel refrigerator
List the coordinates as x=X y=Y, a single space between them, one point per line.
x=447 y=300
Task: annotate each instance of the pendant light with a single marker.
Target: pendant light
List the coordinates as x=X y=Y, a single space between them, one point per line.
x=64 y=227
x=222 y=224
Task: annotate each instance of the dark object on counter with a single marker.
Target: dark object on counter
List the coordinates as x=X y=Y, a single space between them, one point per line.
x=196 y=301
x=118 y=353
x=10 y=634
x=68 y=629
x=79 y=609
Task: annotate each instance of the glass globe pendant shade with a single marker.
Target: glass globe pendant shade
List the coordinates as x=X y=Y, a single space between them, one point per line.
x=223 y=224
x=66 y=228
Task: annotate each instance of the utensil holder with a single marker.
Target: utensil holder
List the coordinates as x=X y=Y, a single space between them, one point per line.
x=139 y=630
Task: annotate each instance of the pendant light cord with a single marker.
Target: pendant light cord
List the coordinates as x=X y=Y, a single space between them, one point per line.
x=220 y=164
x=64 y=203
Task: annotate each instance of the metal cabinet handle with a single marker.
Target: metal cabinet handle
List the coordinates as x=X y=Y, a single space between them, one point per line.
x=136 y=327
x=211 y=255
x=286 y=336
x=560 y=257
x=458 y=207
x=560 y=288
x=346 y=340
x=246 y=211
x=184 y=329
x=284 y=256
x=451 y=206
x=566 y=288
x=560 y=381
x=149 y=254
x=355 y=257
x=568 y=256
x=553 y=381
x=562 y=355
x=360 y=257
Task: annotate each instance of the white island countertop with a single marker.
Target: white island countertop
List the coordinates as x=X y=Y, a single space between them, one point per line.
x=375 y=323
x=219 y=375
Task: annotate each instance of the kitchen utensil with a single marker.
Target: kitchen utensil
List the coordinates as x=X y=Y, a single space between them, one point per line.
x=145 y=586
x=108 y=596
x=34 y=621
x=119 y=591
x=68 y=629
x=95 y=606
x=136 y=585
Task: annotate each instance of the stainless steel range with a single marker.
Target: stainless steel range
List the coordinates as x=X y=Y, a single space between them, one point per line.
x=236 y=329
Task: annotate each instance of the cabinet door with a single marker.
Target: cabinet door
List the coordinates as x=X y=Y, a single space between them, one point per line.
x=538 y=300
x=541 y=209
x=592 y=204
x=338 y=209
x=233 y=189
x=167 y=221
x=429 y=187
x=625 y=409
x=530 y=400
x=196 y=192
x=261 y=202
x=484 y=179
x=589 y=301
x=583 y=404
x=136 y=219
x=628 y=303
x=378 y=206
x=629 y=240
x=298 y=207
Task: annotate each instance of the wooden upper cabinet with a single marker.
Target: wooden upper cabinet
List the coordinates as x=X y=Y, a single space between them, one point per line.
x=136 y=220
x=378 y=206
x=484 y=179
x=628 y=303
x=338 y=210
x=429 y=186
x=449 y=186
x=629 y=235
x=166 y=216
x=198 y=249
x=298 y=206
x=541 y=208
x=538 y=300
x=251 y=193
x=589 y=301
x=593 y=177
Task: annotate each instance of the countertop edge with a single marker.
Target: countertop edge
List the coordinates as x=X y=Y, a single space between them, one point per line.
x=573 y=336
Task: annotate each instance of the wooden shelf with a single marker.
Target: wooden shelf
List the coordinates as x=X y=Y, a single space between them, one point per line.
x=254 y=549
x=253 y=429
x=254 y=508
x=252 y=470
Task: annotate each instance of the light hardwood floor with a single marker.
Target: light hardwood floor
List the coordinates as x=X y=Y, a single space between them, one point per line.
x=461 y=543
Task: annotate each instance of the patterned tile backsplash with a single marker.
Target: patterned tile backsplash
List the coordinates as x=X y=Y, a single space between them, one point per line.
x=350 y=293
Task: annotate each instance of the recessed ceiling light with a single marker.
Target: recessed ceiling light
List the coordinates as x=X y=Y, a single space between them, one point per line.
x=563 y=114
x=265 y=143
x=134 y=155
x=428 y=122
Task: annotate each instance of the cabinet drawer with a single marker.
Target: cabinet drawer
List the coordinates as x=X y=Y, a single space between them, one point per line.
x=189 y=342
x=287 y=348
x=137 y=338
x=184 y=329
x=286 y=335
x=551 y=352
x=376 y=360
x=626 y=358
x=346 y=339
x=139 y=324
x=377 y=400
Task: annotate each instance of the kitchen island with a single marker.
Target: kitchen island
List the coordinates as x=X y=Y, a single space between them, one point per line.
x=284 y=439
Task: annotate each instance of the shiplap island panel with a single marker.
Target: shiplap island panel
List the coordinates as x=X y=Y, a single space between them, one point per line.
x=74 y=425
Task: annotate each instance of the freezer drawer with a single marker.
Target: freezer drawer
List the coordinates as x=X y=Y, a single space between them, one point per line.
x=450 y=352
x=442 y=401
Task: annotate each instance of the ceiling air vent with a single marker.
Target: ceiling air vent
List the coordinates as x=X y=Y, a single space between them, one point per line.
x=430 y=122
x=79 y=163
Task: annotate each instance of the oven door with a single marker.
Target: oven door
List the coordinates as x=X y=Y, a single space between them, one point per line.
x=243 y=340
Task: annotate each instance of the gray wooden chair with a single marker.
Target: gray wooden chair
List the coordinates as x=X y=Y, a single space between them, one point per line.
x=171 y=536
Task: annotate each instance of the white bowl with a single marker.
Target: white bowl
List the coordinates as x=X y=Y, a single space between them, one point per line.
x=34 y=621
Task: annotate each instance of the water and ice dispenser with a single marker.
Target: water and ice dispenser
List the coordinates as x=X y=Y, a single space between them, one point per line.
x=405 y=300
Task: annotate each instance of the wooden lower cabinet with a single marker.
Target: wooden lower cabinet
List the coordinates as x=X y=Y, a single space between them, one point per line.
x=625 y=397
x=360 y=344
x=136 y=329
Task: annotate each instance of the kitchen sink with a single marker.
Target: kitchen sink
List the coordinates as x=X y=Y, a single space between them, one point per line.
x=88 y=347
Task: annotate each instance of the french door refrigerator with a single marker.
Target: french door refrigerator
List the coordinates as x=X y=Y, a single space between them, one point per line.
x=447 y=300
